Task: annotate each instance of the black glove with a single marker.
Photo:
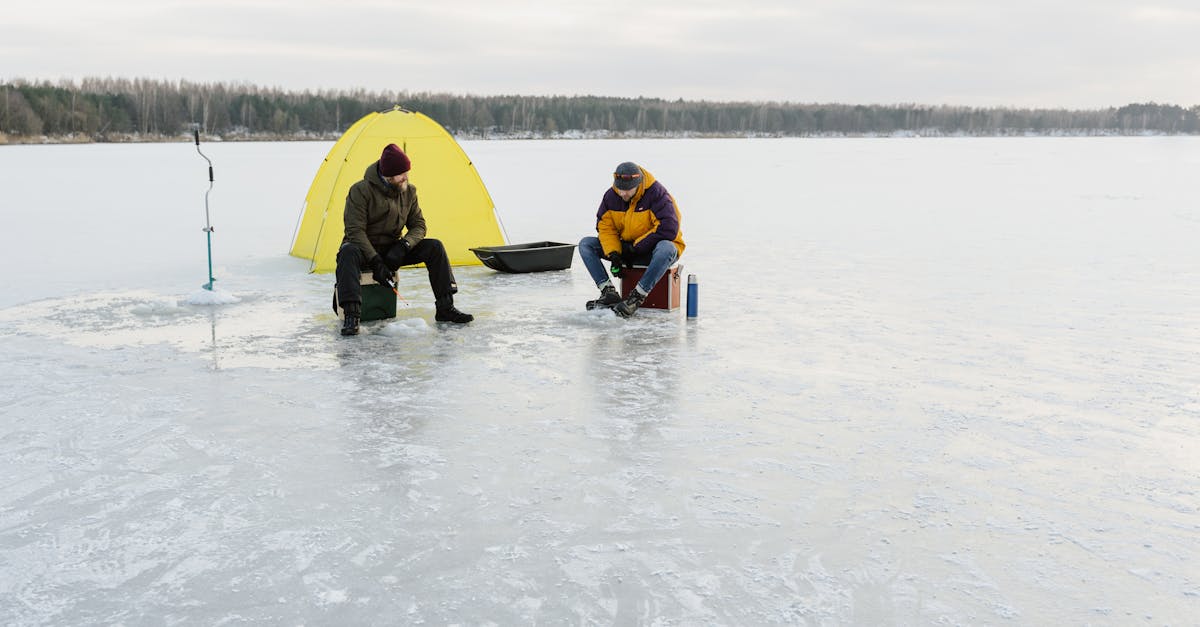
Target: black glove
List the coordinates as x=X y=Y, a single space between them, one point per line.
x=617 y=263
x=396 y=254
x=380 y=271
x=627 y=250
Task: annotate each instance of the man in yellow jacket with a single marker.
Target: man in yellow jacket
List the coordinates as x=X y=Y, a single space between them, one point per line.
x=638 y=223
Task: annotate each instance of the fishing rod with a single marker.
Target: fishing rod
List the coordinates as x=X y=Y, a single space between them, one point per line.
x=392 y=285
x=208 y=228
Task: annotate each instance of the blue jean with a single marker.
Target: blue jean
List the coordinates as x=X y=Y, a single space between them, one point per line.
x=661 y=258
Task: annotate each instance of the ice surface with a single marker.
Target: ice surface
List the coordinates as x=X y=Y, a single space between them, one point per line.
x=950 y=381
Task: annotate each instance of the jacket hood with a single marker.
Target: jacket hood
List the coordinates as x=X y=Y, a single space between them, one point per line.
x=373 y=177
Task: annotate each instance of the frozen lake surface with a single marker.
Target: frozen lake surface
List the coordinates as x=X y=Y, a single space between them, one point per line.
x=933 y=381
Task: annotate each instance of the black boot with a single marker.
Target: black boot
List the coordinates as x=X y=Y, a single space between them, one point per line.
x=630 y=305
x=447 y=313
x=608 y=298
x=350 y=323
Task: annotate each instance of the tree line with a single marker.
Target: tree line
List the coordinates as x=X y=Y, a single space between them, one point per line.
x=118 y=109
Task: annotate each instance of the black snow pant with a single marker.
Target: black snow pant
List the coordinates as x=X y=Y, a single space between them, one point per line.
x=431 y=252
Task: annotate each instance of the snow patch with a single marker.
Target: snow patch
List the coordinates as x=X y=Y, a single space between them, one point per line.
x=158 y=308
x=405 y=328
x=211 y=297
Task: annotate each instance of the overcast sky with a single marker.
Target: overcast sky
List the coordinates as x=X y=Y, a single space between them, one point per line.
x=1023 y=53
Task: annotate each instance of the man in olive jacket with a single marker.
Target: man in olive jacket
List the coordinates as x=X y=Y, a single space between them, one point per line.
x=385 y=230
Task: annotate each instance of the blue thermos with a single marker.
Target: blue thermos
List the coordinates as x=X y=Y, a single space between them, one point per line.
x=693 y=304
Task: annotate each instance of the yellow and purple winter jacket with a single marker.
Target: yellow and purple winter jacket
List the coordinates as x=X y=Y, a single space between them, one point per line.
x=649 y=217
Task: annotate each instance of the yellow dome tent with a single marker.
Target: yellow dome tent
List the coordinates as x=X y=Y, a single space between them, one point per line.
x=456 y=205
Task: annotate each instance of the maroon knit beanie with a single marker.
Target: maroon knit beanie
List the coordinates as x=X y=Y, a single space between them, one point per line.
x=393 y=161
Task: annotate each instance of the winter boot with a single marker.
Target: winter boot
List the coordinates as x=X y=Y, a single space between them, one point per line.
x=608 y=298
x=350 y=323
x=631 y=303
x=447 y=313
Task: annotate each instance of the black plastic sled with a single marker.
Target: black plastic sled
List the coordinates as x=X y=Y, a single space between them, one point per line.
x=532 y=257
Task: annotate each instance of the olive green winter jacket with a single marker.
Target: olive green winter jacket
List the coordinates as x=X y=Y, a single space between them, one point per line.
x=377 y=214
